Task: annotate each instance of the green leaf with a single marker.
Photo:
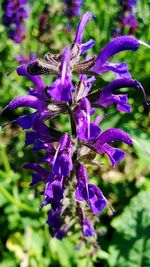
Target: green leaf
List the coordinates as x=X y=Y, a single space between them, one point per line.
x=131 y=240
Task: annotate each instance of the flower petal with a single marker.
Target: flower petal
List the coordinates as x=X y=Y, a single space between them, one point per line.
x=81 y=26
x=87 y=228
x=112 y=135
x=97 y=200
x=115 y=46
x=115 y=154
x=26 y=101
x=86 y=46
x=61 y=89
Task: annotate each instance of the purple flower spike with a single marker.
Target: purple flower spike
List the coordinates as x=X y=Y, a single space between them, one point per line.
x=87 y=228
x=15 y=11
x=62 y=164
x=67 y=189
x=81 y=26
x=115 y=154
x=61 y=89
x=22 y=71
x=117 y=45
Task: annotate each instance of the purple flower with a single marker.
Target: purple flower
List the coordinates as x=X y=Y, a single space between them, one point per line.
x=127 y=4
x=22 y=71
x=79 y=33
x=54 y=188
x=88 y=192
x=72 y=8
x=86 y=130
x=105 y=97
x=117 y=45
x=14 y=14
x=87 y=228
x=62 y=164
x=67 y=189
x=101 y=145
x=61 y=89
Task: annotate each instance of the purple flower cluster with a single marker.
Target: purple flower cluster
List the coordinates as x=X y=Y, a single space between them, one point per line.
x=126 y=18
x=13 y=18
x=67 y=188
x=73 y=8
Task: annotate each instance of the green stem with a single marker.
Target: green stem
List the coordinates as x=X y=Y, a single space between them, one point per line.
x=4 y=159
x=17 y=203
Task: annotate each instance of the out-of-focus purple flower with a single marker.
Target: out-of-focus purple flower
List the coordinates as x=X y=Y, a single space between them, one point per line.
x=73 y=8
x=127 y=4
x=43 y=21
x=126 y=19
x=130 y=21
x=15 y=12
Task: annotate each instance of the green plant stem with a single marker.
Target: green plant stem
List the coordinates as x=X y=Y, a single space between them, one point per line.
x=4 y=159
x=17 y=203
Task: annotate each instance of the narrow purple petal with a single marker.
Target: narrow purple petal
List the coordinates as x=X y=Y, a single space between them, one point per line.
x=31 y=136
x=87 y=228
x=25 y=101
x=61 y=89
x=81 y=26
x=115 y=46
x=112 y=135
x=120 y=69
x=86 y=46
x=106 y=98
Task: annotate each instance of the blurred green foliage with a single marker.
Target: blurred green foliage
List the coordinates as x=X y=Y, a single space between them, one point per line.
x=124 y=239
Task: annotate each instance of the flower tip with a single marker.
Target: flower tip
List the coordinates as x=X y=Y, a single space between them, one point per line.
x=143 y=43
